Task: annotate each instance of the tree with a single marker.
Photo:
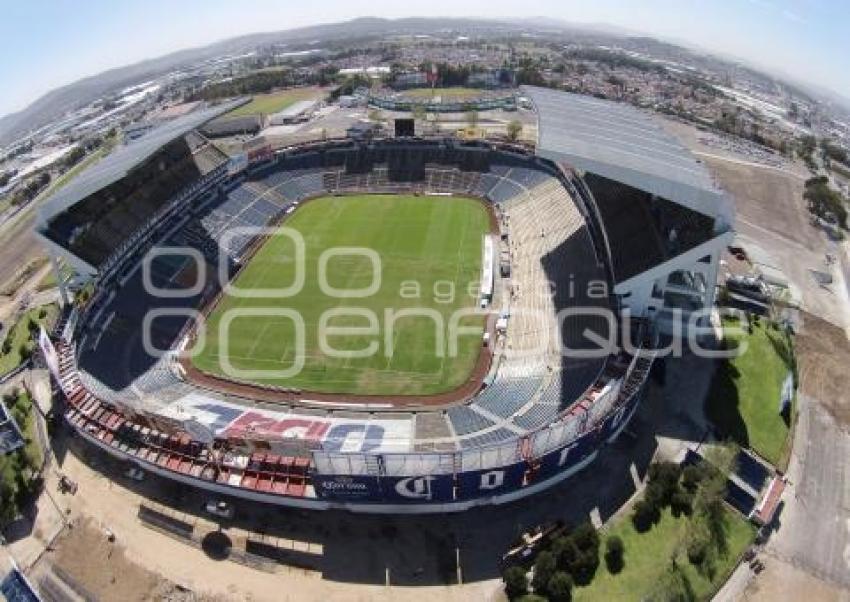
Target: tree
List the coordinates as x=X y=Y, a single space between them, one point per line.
x=673 y=586
x=663 y=483
x=692 y=475
x=681 y=503
x=516 y=582
x=697 y=549
x=644 y=515
x=614 y=554
x=560 y=587
x=586 y=561
x=544 y=568
x=514 y=130
x=586 y=536
x=25 y=351
x=824 y=202
x=565 y=552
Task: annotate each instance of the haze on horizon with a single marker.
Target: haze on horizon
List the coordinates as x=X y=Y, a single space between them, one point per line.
x=46 y=45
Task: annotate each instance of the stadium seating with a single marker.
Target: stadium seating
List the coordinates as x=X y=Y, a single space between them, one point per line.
x=507 y=395
x=487 y=438
x=548 y=242
x=465 y=420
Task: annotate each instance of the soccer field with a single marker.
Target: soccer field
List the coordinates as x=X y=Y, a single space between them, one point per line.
x=274 y=102
x=446 y=93
x=429 y=251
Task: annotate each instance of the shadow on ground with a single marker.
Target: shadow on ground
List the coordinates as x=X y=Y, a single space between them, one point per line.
x=422 y=550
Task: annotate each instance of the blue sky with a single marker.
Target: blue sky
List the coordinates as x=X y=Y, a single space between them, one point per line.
x=45 y=44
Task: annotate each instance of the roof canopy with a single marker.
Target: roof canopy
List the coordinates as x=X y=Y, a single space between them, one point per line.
x=116 y=165
x=622 y=143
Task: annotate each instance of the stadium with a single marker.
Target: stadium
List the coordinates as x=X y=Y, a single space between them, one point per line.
x=565 y=262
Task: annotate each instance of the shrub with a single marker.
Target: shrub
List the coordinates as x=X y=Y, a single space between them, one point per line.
x=560 y=587
x=516 y=582
x=614 y=554
x=544 y=568
x=644 y=515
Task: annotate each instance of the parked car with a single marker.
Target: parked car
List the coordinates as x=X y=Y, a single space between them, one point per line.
x=220 y=509
x=135 y=473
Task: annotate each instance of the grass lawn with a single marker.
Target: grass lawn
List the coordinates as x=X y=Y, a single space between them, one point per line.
x=272 y=103
x=19 y=334
x=26 y=410
x=446 y=93
x=745 y=393
x=18 y=469
x=49 y=281
x=647 y=556
x=432 y=241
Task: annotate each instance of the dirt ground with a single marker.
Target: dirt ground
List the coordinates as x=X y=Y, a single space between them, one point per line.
x=85 y=553
x=18 y=246
x=770 y=215
x=823 y=356
x=90 y=563
x=783 y=581
x=144 y=564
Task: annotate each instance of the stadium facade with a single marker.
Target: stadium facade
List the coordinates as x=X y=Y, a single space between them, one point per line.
x=606 y=200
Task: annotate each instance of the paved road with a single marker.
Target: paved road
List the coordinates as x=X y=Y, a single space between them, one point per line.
x=814 y=531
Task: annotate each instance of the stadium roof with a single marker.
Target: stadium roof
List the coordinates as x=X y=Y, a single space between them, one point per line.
x=116 y=165
x=622 y=143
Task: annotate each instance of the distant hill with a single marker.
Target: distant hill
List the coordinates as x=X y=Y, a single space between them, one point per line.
x=80 y=93
x=75 y=95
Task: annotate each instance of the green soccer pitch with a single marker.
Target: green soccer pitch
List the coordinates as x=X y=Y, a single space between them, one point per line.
x=428 y=246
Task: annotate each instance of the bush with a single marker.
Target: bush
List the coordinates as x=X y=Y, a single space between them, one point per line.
x=614 y=554
x=560 y=587
x=544 y=568
x=644 y=515
x=516 y=582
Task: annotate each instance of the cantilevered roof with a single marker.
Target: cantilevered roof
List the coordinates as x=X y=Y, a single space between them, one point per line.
x=622 y=143
x=117 y=164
